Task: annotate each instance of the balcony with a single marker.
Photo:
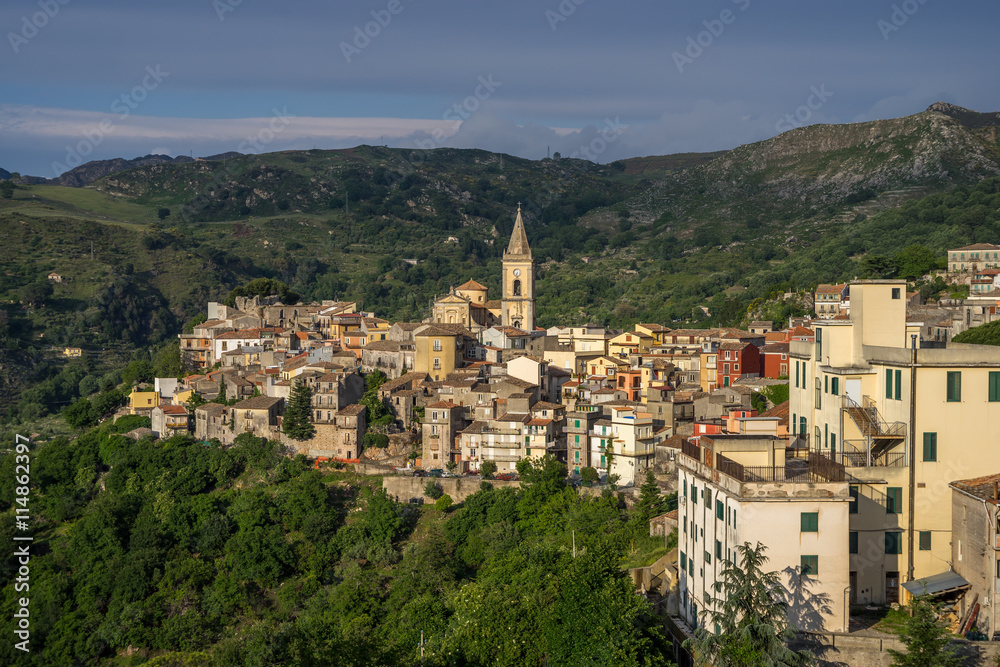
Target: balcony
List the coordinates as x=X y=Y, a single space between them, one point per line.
x=855 y=455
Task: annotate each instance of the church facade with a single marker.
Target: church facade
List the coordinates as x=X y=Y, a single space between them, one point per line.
x=469 y=303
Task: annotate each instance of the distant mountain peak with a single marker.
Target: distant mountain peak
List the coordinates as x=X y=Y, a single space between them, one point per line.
x=949 y=108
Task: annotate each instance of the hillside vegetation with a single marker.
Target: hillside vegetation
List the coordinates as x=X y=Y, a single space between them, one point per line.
x=178 y=553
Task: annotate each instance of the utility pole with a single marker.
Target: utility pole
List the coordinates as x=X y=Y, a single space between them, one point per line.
x=421 y=647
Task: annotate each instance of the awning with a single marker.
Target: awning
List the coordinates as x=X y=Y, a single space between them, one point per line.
x=937 y=584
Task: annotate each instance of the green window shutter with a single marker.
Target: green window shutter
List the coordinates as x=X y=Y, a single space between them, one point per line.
x=925 y=540
x=826 y=384
x=894 y=500
x=794 y=419
x=719 y=510
x=708 y=558
x=899 y=385
x=835 y=386
x=852 y=508
x=954 y=386
x=809 y=522
x=888 y=383
x=930 y=446
x=708 y=500
x=796 y=374
x=852 y=547
x=810 y=565
x=718 y=550
x=894 y=542
x=994 y=386
x=576 y=423
x=684 y=561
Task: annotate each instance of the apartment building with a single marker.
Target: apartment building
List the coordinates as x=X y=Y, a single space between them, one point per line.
x=736 y=489
x=903 y=420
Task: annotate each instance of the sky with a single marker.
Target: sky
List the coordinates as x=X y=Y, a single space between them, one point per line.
x=92 y=79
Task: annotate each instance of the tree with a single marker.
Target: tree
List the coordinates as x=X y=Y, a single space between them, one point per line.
x=751 y=623
x=488 y=469
x=589 y=475
x=221 y=396
x=651 y=503
x=297 y=422
x=926 y=639
x=433 y=490
x=80 y=414
x=443 y=503
x=162 y=213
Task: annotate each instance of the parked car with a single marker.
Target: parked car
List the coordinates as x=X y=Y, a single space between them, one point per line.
x=436 y=472
x=420 y=473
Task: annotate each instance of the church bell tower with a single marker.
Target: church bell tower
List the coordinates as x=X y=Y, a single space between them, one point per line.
x=518 y=303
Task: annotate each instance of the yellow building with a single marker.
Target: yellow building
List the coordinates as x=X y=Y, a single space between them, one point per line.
x=437 y=352
x=904 y=421
x=630 y=342
x=605 y=366
x=142 y=402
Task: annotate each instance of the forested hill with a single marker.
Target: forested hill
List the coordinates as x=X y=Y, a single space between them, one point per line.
x=649 y=239
x=178 y=553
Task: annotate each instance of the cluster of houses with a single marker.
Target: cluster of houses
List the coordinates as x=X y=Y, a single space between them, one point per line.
x=872 y=471
x=478 y=381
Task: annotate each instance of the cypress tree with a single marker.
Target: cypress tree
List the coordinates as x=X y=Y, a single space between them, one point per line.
x=297 y=422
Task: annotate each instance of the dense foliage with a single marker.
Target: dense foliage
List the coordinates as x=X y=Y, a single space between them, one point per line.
x=984 y=334
x=194 y=554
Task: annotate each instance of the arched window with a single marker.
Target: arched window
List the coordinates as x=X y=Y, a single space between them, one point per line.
x=517 y=288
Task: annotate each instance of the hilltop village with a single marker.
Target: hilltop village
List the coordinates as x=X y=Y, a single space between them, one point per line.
x=836 y=425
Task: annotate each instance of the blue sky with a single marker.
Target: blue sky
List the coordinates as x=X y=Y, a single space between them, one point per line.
x=92 y=80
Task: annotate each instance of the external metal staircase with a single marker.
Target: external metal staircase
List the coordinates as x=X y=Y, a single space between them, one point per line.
x=879 y=436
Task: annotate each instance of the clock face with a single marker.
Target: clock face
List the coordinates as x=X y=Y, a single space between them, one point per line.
x=517 y=272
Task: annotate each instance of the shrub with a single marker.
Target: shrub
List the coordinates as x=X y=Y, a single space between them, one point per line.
x=433 y=490
x=443 y=503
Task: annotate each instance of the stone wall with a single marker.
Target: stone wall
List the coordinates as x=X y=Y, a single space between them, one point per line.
x=835 y=650
x=404 y=487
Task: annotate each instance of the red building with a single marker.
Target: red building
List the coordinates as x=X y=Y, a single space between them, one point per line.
x=736 y=360
x=630 y=381
x=774 y=360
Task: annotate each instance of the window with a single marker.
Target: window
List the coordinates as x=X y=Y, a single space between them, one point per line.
x=707 y=495
x=708 y=558
x=437 y=363
x=852 y=508
x=896 y=291
x=852 y=542
x=810 y=565
x=899 y=385
x=719 y=510
x=826 y=384
x=437 y=345
x=819 y=345
x=930 y=446
x=796 y=374
x=809 y=522
x=718 y=550
x=925 y=540
x=994 y=386
x=894 y=542
x=694 y=494
x=835 y=386
x=684 y=561
x=954 y=386
x=894 y=500
x=888 y=383
x=576 y=424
